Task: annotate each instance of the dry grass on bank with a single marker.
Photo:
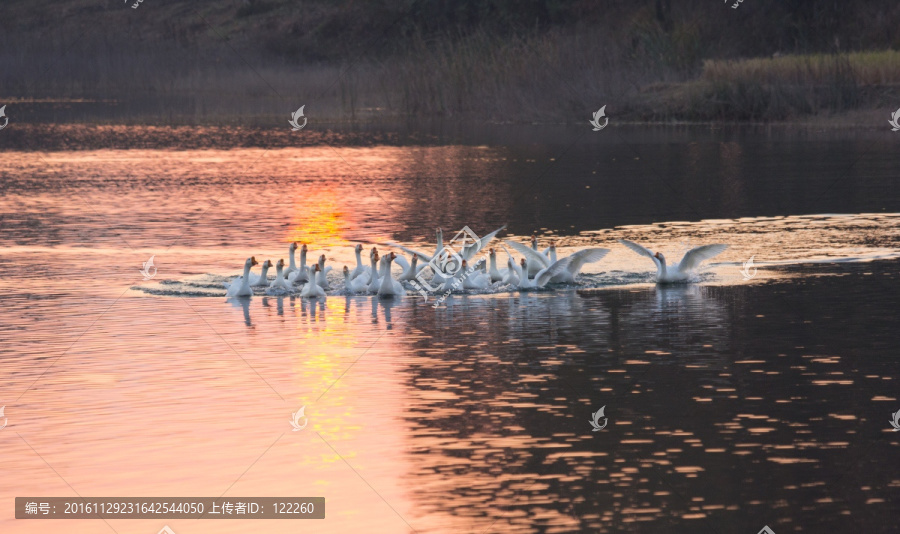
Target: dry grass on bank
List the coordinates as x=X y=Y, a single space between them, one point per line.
x=788 y=87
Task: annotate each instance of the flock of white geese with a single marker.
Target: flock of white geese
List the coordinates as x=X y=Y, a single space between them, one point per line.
x=536 y=269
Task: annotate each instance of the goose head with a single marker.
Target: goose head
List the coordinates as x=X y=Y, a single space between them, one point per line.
x=346 y=273
x=534 y=241
x=253 y=261
x=659 y=256
x=322 y=261
x=464 y=265
x=266 y=264
x=293 y=246
x=492 y=253
x=523 y=264
x=415 y=260
x=280 y=265
x=358 y=248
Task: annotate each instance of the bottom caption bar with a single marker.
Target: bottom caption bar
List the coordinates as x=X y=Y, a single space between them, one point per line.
x=170 y=508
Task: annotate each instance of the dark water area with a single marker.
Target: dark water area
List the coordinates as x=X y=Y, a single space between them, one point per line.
x=729 y=407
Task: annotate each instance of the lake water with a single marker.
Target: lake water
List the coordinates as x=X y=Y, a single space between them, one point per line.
x=730 y=403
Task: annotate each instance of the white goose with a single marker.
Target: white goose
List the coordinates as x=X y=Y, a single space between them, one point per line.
x=324 y=270
x=354 y=285
x=312 y=289
x=539 y=281
x=279 y=286
x=240 y=286
x=297 y=274
x=677 y=272
x=374 y=276
x=261 y=279
x=389 y=287
x=563 y=270
x=360 y=268
x=476 y=279
x=410 y=270
x=512 y=275
x=496 y=274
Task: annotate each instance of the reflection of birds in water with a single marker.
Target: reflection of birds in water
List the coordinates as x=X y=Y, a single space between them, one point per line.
x=244 y=304
x=279 y=304
x=680 y=319
x=387 y=304
x=311 y=307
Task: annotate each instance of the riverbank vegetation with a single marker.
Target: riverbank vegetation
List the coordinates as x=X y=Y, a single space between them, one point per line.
x=502 y=60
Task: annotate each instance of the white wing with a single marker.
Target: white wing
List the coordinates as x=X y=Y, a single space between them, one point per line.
x=530 y=254
x=572 y=263
x=401 y=261
x=469 y=252
x=421 y=255
x=637 y=248
x=696 y=256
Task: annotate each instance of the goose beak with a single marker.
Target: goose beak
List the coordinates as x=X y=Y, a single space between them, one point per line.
x=253 y=260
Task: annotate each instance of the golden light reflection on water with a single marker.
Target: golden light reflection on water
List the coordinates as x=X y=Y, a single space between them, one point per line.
x=318 y=217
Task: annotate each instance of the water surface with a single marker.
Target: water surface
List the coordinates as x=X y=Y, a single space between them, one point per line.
x=732 y=403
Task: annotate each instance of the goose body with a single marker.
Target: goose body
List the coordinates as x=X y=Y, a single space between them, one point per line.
x=354 y=285
x=476 y=279
x=312 y=289
x=495 y=274
x=512 y=274
x=279 y=286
